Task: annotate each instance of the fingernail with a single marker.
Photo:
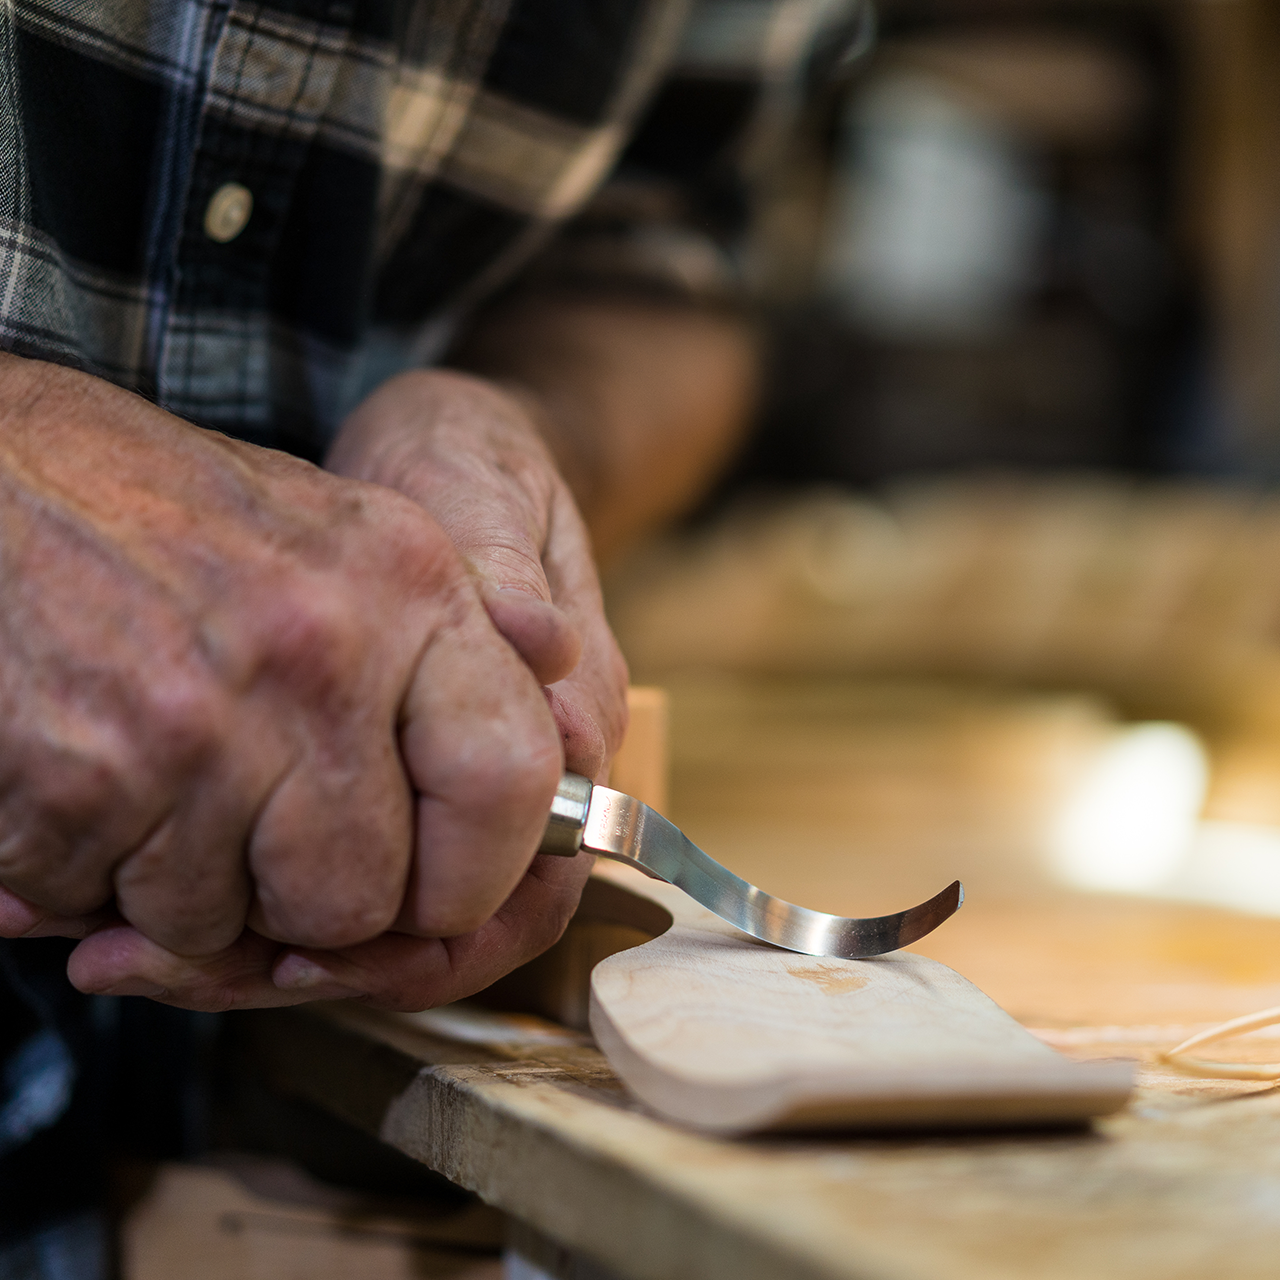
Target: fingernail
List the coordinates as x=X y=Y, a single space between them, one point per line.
x=297 y=973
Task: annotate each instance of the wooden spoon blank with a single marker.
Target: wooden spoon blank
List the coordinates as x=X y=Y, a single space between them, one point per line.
x=715 y=1030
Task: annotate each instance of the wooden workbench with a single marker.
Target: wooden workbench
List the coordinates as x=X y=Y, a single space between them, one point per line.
x=855 y=798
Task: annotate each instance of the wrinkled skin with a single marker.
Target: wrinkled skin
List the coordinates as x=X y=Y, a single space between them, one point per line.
x=274 y=734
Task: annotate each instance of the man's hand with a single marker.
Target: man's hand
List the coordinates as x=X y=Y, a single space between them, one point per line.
x=394 y=971
x=638 y=404
x=239 y=690
x=471 y=454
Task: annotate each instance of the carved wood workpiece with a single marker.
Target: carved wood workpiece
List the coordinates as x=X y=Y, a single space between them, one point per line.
x=1179 y=1186
x=713 y=1029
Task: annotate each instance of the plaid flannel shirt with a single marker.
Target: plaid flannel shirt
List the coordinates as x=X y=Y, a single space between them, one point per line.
x=249 y=211
x=395 y=159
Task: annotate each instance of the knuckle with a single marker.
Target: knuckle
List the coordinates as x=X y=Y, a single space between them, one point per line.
x=312 y=630
x=514 y=560
x=185 y=716
x=515 y=769
x=61 y=824
x=187 y=893
x=68 y=792
x=409 y=548
x=516 y=791
x=329 y=862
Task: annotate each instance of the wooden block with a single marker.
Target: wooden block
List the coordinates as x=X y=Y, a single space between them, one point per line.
x=640 y=767
x=712 y=1029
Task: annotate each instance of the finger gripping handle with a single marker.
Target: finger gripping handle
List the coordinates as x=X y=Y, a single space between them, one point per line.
x=568 y=818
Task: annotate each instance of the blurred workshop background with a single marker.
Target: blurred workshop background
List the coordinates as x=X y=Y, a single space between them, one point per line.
x=1019 y=264
x=1030 y=234
x=993 y=589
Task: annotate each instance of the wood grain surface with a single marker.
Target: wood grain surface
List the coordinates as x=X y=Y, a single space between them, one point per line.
x=855 y=799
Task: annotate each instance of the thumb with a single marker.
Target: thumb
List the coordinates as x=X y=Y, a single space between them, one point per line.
x=501 y=551
x=540 y=633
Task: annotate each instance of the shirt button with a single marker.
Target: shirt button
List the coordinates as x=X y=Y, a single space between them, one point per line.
x=228 y=213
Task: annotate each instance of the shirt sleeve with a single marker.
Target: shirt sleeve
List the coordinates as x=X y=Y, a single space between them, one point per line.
x=671 y=219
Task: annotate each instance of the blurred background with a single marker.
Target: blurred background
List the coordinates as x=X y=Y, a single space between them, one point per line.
x=992 y=590
x=1017 y=263
x=1031 y=234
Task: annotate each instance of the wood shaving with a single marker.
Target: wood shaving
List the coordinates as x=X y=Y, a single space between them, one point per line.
x=1176 y=1057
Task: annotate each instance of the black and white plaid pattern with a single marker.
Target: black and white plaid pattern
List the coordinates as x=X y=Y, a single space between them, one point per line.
x=403 y=157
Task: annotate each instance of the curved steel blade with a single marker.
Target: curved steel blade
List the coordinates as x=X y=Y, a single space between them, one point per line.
x=620 y=827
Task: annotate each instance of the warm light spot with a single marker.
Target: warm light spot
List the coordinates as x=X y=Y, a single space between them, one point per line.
x=1232 y=864
x=1133 y=818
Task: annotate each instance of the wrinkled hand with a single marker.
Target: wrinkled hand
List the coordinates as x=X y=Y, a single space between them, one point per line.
x=239 y=690
x=471 y=455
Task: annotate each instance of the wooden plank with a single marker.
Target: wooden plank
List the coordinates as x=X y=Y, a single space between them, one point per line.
x=546 y=1133
x=882 y=795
